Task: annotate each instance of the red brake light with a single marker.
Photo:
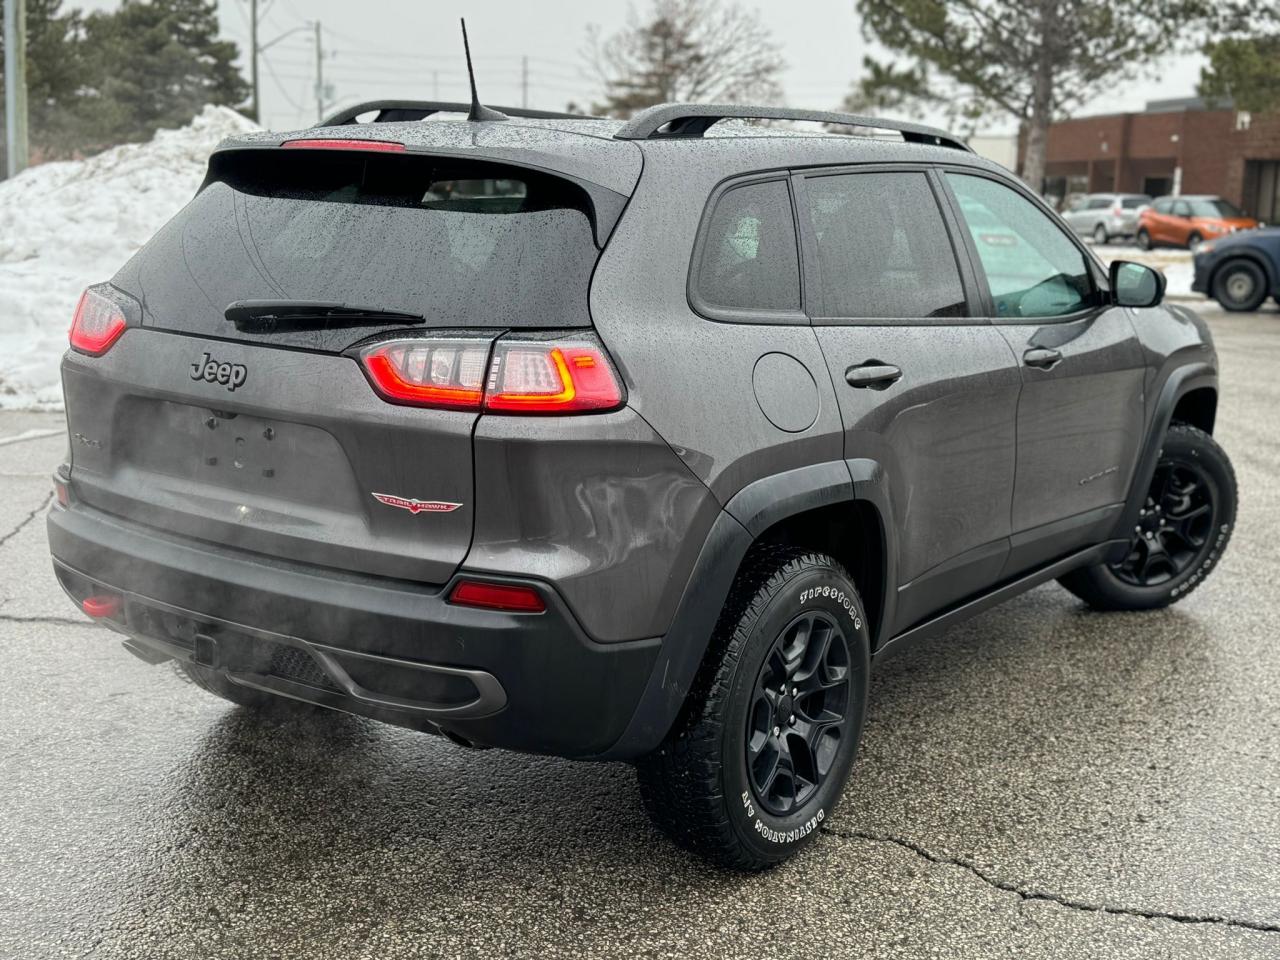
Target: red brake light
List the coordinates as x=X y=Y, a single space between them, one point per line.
x=429 y=372
x=97 y=324
x=337 y=143
x=497 y=596
x=524 y=376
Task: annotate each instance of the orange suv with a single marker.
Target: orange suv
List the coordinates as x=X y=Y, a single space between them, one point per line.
x=1186 y=221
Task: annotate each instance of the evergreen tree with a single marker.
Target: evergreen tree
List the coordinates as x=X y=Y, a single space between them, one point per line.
x=1244 y=55
x=152 y=65
x=1031 y=60
x=56 y=71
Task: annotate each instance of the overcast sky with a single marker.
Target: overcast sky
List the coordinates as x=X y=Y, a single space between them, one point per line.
x=412 y=49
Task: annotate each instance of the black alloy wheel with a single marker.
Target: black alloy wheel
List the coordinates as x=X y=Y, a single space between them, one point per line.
x=798 y=712
x=1175 y=526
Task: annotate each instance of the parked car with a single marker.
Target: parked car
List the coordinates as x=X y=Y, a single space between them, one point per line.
x=1186 y=221
x=1106 y=216
x=1240 y=270
x=469 y=426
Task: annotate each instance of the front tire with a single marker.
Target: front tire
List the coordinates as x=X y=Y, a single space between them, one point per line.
x=1144 y=240
x=1240 y=286
x=1194 y=240
x=760 y=755
x=1184 y=527
x=1100 y=235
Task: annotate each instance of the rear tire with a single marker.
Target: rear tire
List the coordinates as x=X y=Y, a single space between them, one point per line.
x=1185 y=526
x=1240 y=286
x=1194 y=240
x=211 y=681
x=760 y=754
x=1144 y=240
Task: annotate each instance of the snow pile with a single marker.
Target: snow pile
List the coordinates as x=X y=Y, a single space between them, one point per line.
x=66 y=225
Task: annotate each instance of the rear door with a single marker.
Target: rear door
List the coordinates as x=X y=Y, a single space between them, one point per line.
x=262 y=432
x=1081 y=413
x=925 y=387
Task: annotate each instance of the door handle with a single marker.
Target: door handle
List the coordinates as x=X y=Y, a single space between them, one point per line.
x=873 y=374
x=1041 y=357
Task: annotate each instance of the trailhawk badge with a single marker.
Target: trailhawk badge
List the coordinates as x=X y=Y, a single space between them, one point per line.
x=417 y=506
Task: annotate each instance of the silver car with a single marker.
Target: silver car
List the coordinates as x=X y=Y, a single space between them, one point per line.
x=1106 y=216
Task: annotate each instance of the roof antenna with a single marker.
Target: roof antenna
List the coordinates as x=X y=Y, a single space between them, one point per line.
x=478 y=110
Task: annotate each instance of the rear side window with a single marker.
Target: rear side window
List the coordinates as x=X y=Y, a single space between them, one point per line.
x=883 y=247
x=1133 y=203
x=1099 y=203
x=749 y=260
x=460 y=243
x=1032 y=268
x=1164 y=206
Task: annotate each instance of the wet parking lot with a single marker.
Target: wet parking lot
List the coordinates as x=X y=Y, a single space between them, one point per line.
x=1040 y=781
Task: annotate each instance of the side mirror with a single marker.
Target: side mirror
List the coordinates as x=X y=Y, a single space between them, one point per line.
x=1136 y=285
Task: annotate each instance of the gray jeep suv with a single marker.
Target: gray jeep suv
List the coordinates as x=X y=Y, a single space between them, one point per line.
x=628 y=441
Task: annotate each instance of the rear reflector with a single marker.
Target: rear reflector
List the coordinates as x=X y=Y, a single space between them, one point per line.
x=497 y=596
x=101 y=606
x=378 y=146
x=60 y=492
x=97 y=324
x=524 y=376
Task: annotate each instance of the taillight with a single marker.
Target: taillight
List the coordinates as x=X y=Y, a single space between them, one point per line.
x=550 y=377
x=97 y=324
x=429 y=373
x=497 y=596
x=523 y=376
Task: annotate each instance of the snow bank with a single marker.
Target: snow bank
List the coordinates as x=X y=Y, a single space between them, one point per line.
x=66 y=225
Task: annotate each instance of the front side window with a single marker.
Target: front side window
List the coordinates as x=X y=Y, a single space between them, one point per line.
x=883 y=247
x=749 y=258
x=1032 y=268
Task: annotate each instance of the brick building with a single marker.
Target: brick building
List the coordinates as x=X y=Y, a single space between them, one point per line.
x=1174 y=146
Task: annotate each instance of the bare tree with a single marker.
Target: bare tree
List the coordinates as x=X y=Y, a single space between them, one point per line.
x=698 y=50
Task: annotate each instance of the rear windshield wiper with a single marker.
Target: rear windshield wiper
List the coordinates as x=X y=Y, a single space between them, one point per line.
x=267 y=315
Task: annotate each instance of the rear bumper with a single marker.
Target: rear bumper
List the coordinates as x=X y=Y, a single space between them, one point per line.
x=388 y=649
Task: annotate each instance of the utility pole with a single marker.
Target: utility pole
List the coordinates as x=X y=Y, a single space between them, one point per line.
x=15 y=84
x=524 y=82
x=319 y=75
x=253 y=56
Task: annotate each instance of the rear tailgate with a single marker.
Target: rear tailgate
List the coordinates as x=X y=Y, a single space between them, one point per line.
x=267 y=435
x=288 y=464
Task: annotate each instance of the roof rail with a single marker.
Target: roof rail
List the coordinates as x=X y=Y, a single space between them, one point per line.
x=391 y=111
x=675 y=120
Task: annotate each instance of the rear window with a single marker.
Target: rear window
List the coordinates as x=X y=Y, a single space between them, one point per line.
x=461 y=243
x=749 y=258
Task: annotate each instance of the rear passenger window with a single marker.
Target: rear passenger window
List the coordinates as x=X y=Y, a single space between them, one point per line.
x=883 y=248
x=749 y=259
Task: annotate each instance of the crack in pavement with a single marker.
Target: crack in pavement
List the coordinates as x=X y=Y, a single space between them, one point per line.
x=55 y=621
x=1062 y=901
x=27 y=519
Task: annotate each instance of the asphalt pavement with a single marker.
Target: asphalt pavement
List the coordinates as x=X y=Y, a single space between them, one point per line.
x=1042 y=781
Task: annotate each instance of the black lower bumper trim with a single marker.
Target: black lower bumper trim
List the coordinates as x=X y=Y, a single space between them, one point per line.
x=391 y=650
